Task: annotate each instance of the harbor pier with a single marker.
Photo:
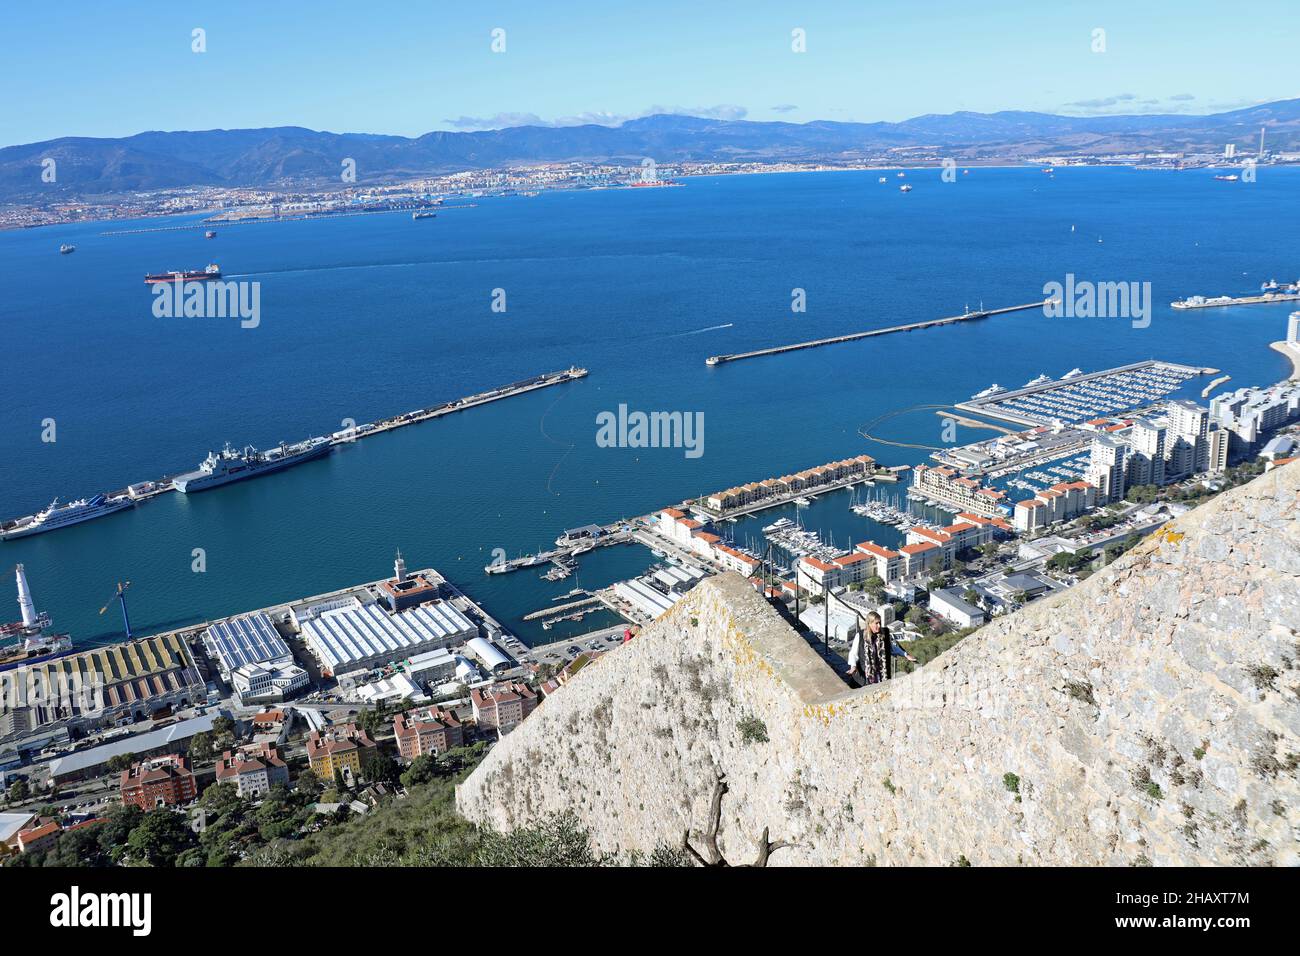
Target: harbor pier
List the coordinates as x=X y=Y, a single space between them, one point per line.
x=853 y=336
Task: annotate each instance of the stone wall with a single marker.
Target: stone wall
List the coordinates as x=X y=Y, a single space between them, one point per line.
x=1147 y=715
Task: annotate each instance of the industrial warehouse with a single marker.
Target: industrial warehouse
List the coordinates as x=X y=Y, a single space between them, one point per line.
x=360 y=636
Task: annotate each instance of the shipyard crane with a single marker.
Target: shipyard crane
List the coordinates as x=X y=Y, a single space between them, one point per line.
x=120 y=595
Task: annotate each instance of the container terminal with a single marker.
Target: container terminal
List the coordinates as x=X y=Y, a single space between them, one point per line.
x=853 y=336
x=230 y=465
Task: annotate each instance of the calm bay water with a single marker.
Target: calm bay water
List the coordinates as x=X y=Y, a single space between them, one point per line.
x=367 y=316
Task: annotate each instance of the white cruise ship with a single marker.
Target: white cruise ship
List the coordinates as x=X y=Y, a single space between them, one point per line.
x=60 y=516
x=991 y=390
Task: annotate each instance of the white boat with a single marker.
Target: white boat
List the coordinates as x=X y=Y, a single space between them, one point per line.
x=1073 y=373
x=57 y=516
x=991 y=390
x=1040 y=380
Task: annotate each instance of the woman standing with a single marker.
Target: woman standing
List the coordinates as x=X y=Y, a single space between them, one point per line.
x=879 y=649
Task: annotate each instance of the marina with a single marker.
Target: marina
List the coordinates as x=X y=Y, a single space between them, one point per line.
x=563 y=555
x=854 y=336
x=1084 y=397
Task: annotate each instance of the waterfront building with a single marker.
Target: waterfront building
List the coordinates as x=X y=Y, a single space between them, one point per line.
x=649 y=600
x=404 y=591
x=270 y=681
x=772 y=489
x=253 y=770
x=488 y=654
x=733 y=560
x=1030 y=515
x=946 y=486
x=503 y=706
x=1249 y=414
x=247 y=639
x=114 y=684
x=341 y=748
x=1189 y=428
x=433 y=667
x=159 y=782
x=1146 y=457
x=352 y=638
x=921 y=558
x=1107 y=468
x=886 y=564
x=430 y=731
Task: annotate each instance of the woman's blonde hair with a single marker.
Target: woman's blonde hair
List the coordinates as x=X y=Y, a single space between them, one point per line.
x=873 y=616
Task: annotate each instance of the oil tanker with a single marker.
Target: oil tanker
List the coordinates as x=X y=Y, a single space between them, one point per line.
x=213 y=271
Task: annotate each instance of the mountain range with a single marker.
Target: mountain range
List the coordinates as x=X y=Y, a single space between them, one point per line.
x=280 y=156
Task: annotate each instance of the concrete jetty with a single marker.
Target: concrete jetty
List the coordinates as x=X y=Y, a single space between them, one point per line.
x=853 y=336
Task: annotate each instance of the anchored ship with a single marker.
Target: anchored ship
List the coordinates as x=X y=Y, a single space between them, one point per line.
x=228 y=465
x=57 y=516
x=424 y=215
x=66 y=248
x=213 y=271
x=991 y=390
x=25 y=641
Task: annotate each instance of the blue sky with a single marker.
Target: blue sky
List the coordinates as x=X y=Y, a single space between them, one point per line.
x=112 y=69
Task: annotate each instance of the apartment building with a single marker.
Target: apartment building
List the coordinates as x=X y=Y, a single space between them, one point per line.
x=253 y=770
x=342 y=748
x=159 y=782
x=503 y=706
x=427 y=732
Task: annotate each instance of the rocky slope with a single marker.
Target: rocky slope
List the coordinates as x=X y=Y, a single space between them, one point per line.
x=1148 y=715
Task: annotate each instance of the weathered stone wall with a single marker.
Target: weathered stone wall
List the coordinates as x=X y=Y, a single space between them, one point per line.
x=1149 y=714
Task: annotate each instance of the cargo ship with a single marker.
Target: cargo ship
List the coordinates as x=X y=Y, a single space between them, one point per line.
x=424 y=215
x=228 y=465
x=213 y=271
x=60 y=516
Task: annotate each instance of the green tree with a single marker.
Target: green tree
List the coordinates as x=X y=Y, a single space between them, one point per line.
x=19 y=790
x=220 y=798
x=422 y=769
x=119 y=762
x=119 y=821
x=160 y=838
x=201 y=749
x=557 y=841
x=309 y=783
x=381 y=768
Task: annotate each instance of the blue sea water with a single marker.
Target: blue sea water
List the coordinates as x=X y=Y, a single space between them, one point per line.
x=367 y=316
